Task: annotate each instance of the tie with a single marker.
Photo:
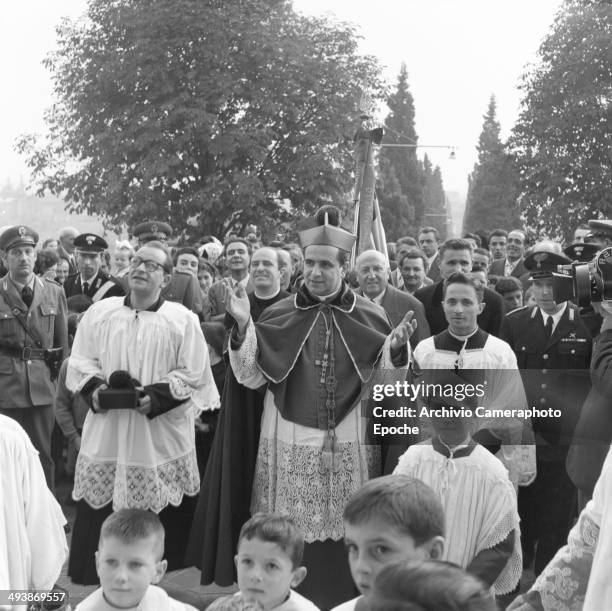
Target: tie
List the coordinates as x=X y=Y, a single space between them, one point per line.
x=27 y=295
x=549 y=327
x=85 y=287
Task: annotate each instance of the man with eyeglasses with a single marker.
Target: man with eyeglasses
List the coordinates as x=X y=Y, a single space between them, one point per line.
x=90 y=280
x=182 y=288
x=142 y=456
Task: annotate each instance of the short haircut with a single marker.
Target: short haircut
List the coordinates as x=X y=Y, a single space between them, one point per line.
x=46 y=259
x=278 y=529
x=205 y=265
x=500 y=233
x=131 y=525
x=184 y=250
x=232 y=240
x=455 y=244
x=482 y=251
x=160 y=246
x=430 y=584
x=475 y=237
x=414 y=253
x=460 y=278
x=283 y=256
x=48 y=241
x=521 y=231
x=430 y=230
x=508 y=284
x=405 y=503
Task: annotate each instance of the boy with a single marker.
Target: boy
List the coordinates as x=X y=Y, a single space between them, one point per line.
x=270 y=549
x=128 y=561
x=389 y=519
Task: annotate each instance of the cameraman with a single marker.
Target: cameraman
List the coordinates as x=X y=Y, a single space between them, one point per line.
x=580 y=571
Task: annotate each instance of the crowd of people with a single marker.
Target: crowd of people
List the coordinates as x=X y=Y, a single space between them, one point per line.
x=212 y=405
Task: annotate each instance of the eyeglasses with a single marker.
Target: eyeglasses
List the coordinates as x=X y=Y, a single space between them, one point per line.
x=149 y=265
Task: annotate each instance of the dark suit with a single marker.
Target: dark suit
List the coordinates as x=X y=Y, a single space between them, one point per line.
x=99 y=287
x=72 y=268
x=434 y=269
x=489 y=320
x=26 y=389
x=396 y=303
x=185 y=289
x=497 y=268
x=555 y=375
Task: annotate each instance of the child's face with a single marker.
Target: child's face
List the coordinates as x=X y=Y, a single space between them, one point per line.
x=122 y=260
x=127 y=569
x=265 y=572
x=373 y=545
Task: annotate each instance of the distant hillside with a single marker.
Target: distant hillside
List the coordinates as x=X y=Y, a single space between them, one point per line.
x=44 y=214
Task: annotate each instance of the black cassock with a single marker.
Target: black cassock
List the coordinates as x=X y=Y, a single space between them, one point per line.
x=225 y=496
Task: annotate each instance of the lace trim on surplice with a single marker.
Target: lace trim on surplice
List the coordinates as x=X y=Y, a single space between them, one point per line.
x=292 y=479
x=562 y=585
x=153 y=488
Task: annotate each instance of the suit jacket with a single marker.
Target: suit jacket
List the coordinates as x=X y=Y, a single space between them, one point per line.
x=27 y=383
x=489 y=320
x=555 y=370
x=73 y=286
x=215 y=296
x=396 y=303
x=434 y=269
x=61 y=251
x=497 y=269
x=185 y=289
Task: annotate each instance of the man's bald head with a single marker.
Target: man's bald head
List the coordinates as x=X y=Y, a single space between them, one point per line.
x=373 y=255
x=372 y=273
x=66 y=238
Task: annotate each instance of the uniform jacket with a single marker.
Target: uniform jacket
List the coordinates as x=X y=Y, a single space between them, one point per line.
x=489 y=320
x=396 y=303
x=555 y=371
x=73 y=286
x=26 y=383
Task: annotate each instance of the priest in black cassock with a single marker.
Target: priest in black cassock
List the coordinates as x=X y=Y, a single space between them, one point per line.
x=225 y=496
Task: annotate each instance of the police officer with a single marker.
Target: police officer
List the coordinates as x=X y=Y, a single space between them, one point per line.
x=32 y=323
x=553 y=350
x=183 y=288
x=90 y=280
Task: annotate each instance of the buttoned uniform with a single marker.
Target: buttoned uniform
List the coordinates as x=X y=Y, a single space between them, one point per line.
x=102 y=285
x=26 y=389
x=555 y=373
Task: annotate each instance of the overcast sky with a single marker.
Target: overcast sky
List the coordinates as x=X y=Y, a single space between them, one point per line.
x=458 y=52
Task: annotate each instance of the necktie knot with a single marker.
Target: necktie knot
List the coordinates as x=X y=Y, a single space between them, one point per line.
x=85 y=287
x=549 y=326
x=27 y=295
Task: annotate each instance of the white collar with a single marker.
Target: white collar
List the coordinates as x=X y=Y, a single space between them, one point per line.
x=556 y=317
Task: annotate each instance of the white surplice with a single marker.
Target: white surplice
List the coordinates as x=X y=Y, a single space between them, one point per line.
x=126 y=457
x=33 y=545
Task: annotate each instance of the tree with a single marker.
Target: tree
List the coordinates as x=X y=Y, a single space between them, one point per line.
x=492 y=186
x=434 y=198
x=562 y=137
x=401 y=179
x=209 y=115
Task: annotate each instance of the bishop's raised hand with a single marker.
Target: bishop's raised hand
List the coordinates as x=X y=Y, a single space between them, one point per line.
x=237 y=304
